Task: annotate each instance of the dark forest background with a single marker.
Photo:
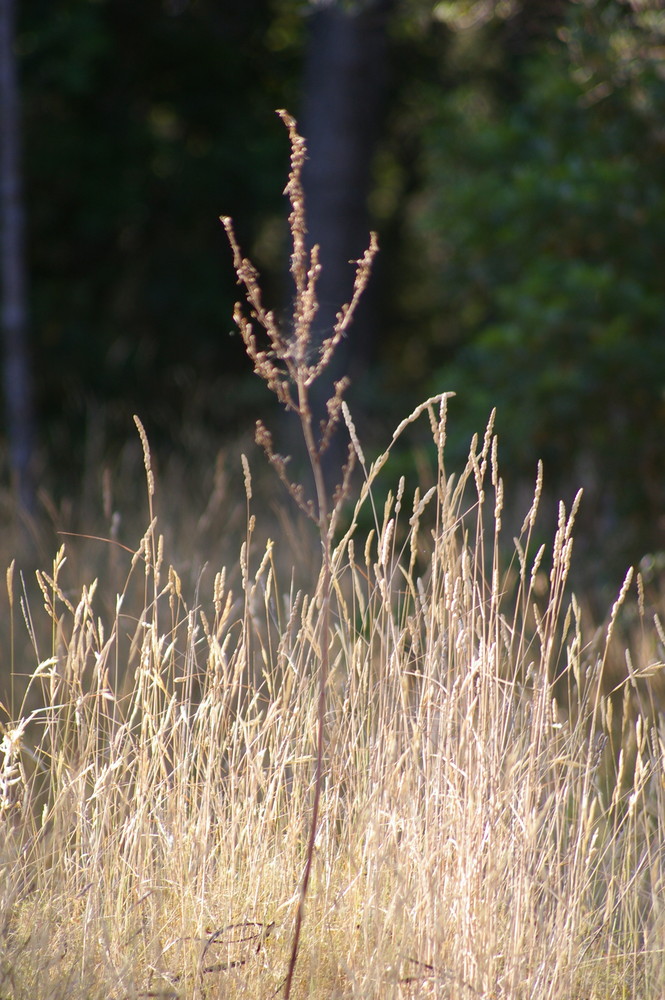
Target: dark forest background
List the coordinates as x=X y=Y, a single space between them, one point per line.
x=509 y=153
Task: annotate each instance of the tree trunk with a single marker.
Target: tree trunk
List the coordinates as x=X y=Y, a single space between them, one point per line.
x=17 y=377
x=345 y=75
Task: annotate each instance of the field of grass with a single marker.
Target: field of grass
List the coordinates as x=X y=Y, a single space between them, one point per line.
x=404 y=768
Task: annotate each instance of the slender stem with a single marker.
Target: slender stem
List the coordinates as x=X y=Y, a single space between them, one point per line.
x=324 y=532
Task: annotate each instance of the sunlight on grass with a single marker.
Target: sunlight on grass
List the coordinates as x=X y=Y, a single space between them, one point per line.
x=155 y=809
x=416 y=773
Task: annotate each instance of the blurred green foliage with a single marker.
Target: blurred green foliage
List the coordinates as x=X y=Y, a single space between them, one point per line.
x=143 y=123
x=545 y=222
x=519 y=199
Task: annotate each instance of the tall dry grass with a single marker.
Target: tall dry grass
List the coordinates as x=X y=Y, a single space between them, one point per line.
x=475 y=837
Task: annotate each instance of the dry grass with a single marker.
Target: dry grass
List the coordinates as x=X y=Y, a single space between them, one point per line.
x=475 y=838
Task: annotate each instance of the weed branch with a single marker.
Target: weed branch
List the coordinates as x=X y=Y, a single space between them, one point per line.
x=289 y=364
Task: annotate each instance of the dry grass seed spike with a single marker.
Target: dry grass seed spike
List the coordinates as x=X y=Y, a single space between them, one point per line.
x=287 y=370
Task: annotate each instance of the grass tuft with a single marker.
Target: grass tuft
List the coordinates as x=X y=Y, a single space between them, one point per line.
x=410 y=775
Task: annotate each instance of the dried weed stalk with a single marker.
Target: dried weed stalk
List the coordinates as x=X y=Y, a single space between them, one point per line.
x=289 y=365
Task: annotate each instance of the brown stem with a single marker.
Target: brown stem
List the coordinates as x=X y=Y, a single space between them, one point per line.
x=324 y=531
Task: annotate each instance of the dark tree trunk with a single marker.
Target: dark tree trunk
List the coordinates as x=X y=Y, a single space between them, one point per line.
x=345 y=75
x=17 y=378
